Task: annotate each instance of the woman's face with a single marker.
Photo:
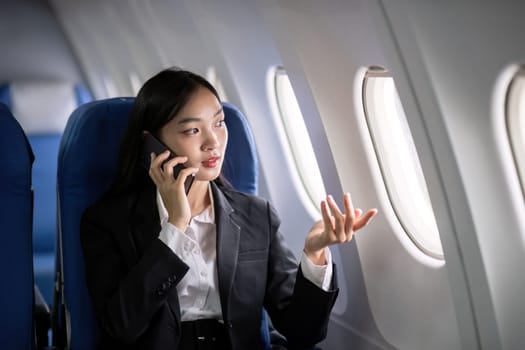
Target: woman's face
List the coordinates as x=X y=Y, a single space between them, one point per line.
x=198 y=132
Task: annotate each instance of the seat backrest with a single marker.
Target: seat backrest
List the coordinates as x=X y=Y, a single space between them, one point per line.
x=87 y=161
x=42 y=109
x=16 y=217
x=86 y=168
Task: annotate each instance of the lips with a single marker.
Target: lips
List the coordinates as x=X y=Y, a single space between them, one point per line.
x=211 y=162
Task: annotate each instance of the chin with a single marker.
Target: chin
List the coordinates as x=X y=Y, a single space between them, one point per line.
x=207 y=175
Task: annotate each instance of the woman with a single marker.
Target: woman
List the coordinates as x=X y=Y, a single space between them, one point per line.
x=170 y=270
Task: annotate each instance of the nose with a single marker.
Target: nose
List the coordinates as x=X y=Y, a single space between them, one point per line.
x=211 y=142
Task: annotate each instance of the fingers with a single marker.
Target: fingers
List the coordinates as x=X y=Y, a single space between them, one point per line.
x=327 y=220
x=162 y=168
x=154 y=168
x=339 y=227
x=350 y=213
x=169 y=167
x=339 y=219
x=158 y=159
x=183 y=174
x=365 y=219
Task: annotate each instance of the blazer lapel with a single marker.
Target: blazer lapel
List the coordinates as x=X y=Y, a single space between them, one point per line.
x=146 y=227
x=228 y=234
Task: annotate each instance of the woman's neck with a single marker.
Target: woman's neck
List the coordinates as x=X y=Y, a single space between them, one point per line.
x=198 y=197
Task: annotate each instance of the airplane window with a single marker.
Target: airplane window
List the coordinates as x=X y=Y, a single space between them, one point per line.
x=213 y=78
x=398 y=161
x=298 y=138
x=516 y=122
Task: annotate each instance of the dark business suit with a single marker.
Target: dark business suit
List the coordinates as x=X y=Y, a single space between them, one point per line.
x=132 y=275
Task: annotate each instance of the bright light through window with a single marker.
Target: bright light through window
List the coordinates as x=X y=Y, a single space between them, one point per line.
x=399 y=162
x=516 y=122
x=298 y=138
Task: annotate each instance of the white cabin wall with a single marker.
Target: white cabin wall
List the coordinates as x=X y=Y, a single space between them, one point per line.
x=103 y=35
x=464 y=49
x=331 y=42
x=33 y=44
x=119 y=40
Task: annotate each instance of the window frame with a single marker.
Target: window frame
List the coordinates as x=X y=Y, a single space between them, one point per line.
x=304 y=187
x=513 y=123
x=411 y=228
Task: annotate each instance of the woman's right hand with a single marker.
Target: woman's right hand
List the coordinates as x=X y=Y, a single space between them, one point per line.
x=172 y=190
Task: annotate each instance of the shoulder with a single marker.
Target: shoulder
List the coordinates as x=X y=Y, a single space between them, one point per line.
x=251 y=207
x=244 y=200
x=110 y=208
x=108 y=203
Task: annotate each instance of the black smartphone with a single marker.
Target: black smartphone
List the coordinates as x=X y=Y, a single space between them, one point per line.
x=152 y=144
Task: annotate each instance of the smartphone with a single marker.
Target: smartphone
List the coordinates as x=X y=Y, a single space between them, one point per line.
x=152 y=144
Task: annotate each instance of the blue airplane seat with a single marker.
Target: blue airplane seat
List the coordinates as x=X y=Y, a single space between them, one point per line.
x=241 y=169
x=16 y=218
x=241 y=166
x=86 y=168
x=87 y=161
x=42 y=109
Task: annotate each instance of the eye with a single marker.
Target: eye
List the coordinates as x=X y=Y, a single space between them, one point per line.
x=191 y=131
x=221 y=123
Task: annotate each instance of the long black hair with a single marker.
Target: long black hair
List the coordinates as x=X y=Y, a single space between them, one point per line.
x=159 y=100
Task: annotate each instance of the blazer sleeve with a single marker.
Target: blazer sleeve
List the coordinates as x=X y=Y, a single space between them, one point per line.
x=299 y=309
x=125 y=296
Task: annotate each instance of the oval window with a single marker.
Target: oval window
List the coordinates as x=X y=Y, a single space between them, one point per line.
x=515 y=111
x=298 y=140
x=398 y=160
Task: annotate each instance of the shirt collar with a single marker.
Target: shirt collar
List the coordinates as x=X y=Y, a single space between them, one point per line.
x=206 y=216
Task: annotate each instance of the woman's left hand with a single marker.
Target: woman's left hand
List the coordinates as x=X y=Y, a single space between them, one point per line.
x=335 y=228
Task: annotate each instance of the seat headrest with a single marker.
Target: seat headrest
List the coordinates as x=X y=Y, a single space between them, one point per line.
x=96 y=130
x=43 y=107
x=241 y=166
x=89 y=148
x=17 y=156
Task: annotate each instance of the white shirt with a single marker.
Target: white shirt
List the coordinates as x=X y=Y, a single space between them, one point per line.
x=199 y=289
